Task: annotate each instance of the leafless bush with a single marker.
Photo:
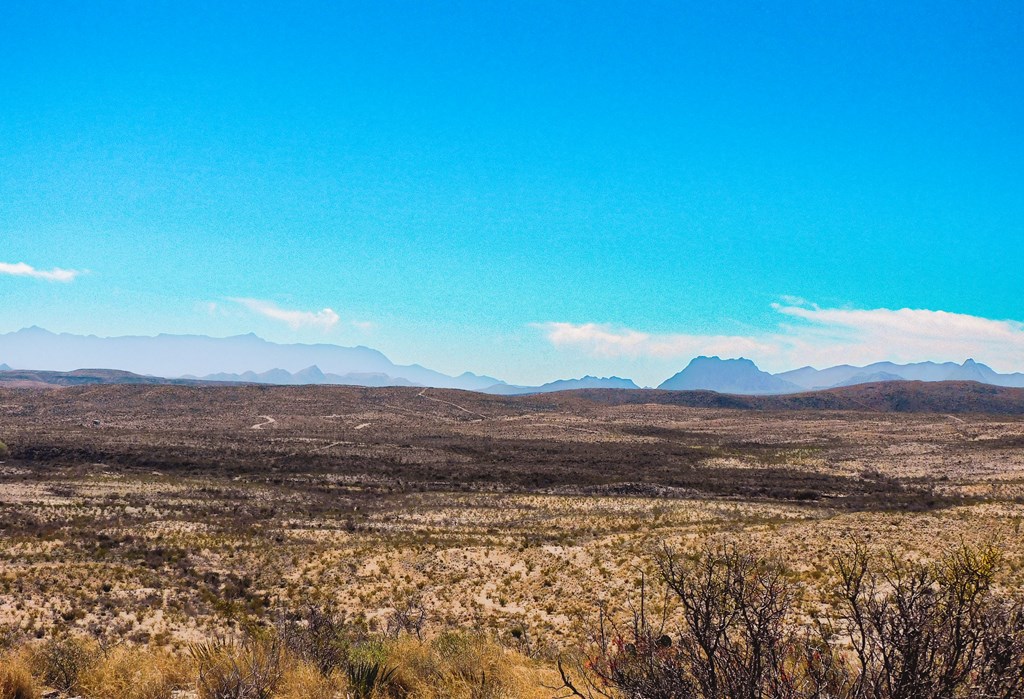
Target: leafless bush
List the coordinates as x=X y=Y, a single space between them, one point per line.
x=928 y=631
x=727 y=628
x=318 y=634
x=409 y=615
x=62 y=660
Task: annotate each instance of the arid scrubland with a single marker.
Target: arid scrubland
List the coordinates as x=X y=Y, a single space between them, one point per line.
x=461 y=542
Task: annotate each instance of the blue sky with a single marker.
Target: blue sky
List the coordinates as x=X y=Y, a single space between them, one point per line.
x=531 y=190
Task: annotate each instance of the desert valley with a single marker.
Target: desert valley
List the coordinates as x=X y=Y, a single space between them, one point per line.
x=160 y=517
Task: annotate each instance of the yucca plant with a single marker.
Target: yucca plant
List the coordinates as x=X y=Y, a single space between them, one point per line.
x=366 y=677
x=227 y=671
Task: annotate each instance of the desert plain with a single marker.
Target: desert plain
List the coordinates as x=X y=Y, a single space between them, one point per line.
x=165 y=516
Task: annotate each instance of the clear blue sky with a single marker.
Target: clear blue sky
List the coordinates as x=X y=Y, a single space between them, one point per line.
x=453 y=179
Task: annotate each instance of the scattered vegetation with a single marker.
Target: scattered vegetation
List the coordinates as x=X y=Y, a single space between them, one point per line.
x=347 y=549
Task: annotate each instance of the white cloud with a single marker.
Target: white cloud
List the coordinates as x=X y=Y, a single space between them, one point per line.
x=835 y=335
x=21 y=269
x=808 y=334
x=609 y=341
x=325 y=319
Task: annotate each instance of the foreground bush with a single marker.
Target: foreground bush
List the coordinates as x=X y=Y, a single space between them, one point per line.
x=61 y=661
x=727 y=628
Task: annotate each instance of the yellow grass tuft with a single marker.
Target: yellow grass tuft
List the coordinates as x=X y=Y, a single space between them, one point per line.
x=133 y=673
x=15 y=678
x=459 y=665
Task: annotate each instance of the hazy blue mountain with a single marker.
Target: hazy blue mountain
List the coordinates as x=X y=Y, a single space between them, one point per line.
x=4 y=367
x=876 y=377
x=727 y=376
x=846 y=375
x=308 y=376
x=198 y=355
x=563 y=385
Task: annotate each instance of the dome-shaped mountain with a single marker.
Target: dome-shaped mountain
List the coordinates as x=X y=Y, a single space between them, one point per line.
x=740 y=376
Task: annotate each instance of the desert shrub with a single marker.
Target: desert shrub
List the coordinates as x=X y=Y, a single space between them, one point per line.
x=928 y=630
x=727 y=628
x=320 y=635
x=62 y=660
x=729 y=609
x=251 y=670
x=4 y=450
x=16 y=679
x=132 y=673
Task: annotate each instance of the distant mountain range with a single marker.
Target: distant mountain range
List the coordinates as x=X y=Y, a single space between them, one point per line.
x=845 y=375
x=563 y=385
x=742 y=377
x=229 y=358
x=250 y=359
x=309 y=375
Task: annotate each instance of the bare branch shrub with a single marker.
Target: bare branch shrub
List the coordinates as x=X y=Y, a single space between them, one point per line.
x=408 y=614
x=62 y=660
x=318 y=634
x=894 y=629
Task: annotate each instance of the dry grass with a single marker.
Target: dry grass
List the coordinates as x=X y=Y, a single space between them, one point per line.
x=303 y=681
x=134 y=673
x=466 y=666
x=16 y=680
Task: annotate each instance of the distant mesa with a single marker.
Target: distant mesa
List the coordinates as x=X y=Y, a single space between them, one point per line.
x=739 y=376
x=81 y=377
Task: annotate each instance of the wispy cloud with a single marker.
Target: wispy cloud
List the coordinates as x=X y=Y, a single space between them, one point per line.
x=21 y=269
x=295 y=319
x=809 y=334
x=610 y=341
